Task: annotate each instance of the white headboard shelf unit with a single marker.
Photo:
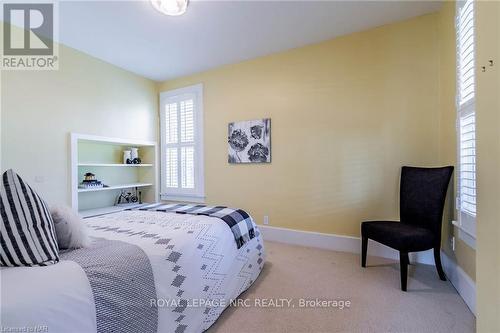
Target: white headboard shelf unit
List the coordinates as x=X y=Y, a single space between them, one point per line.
x=103 y=156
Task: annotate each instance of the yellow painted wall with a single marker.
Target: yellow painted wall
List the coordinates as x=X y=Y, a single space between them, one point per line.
x=346 y=114
x=488 y=167
x=86 y=95
x=464 y=255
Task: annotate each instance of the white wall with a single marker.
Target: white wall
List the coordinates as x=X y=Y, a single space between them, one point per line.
x=40 y=108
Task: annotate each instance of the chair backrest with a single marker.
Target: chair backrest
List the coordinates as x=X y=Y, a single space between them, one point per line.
x=422 y=195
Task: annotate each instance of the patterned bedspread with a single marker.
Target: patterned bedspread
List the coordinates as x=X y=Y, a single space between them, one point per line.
x=146 y=271
x=240 y=222
x=196 y=264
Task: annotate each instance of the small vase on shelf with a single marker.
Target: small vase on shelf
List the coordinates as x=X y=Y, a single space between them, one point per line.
x=127 y=157
x=134 y=153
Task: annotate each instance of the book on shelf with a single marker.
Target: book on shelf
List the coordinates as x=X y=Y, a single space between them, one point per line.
x=86 y=184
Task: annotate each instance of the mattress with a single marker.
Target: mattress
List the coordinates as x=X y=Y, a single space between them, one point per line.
x=162 y=272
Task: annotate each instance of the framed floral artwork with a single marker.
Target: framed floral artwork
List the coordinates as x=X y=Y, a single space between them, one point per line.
x=249 y=141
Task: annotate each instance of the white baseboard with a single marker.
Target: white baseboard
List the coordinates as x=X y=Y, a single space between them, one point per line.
x=338 y=243
x=460 y=280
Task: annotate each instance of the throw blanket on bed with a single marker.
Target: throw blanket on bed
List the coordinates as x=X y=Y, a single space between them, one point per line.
x=123 y=285
x=238 y=220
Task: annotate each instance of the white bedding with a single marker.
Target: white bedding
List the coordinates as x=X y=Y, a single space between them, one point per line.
x=55 y=298
x=194 y=258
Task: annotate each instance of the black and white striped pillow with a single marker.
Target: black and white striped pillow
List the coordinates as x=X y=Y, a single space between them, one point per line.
x=28 y=234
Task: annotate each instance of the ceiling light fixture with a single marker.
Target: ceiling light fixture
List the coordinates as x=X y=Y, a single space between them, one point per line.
x=170 y=7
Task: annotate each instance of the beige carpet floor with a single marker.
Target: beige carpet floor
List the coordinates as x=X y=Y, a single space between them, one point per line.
x=377 y=303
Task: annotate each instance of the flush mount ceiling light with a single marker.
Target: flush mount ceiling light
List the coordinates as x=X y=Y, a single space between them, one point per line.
x=170 y=7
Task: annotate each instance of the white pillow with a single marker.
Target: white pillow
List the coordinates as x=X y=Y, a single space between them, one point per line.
x=71 y=231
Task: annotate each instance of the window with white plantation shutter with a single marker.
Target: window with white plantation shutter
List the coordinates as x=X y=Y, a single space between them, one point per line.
x=181 y=143
x=466 y=116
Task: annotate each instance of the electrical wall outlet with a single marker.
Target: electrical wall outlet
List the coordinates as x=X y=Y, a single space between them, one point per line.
x=266 y=219
x=453 y=243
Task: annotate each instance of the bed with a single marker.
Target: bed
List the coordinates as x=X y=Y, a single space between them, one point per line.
x=146 y=271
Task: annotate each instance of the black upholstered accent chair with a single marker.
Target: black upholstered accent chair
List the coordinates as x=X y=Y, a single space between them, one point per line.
x=422 y=195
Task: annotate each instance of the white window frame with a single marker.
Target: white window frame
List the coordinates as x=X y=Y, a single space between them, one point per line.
x=466 y=223
x=179 y=194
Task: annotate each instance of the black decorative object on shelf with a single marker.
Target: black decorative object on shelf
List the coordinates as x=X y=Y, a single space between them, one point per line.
x=89 y=176
x=126 y=197
x=136 y=160
x=90 y=181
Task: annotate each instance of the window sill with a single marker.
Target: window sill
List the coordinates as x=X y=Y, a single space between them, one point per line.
x=467 y=237
x=182 y=198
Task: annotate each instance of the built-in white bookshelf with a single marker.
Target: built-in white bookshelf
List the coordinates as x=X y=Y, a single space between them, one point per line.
x=103 y=156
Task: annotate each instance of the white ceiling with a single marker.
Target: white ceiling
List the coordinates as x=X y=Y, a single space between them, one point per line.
x=134 y=36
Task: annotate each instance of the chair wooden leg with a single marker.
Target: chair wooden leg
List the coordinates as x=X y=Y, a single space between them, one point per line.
x=364 y=249
x=437 y=261
x=403 y=264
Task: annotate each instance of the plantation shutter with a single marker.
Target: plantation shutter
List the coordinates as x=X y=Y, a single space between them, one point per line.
x=466 y=117
x=180 y=143
x=187 y=141
x=181 y=130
